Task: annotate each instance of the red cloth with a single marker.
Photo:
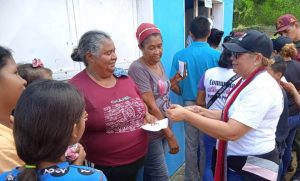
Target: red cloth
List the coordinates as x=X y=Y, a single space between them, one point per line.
x=221 y=164
x=284 y=22
x=145 y=30
x=112 y=136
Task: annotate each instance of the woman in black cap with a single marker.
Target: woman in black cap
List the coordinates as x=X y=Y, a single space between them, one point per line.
x=246 y=148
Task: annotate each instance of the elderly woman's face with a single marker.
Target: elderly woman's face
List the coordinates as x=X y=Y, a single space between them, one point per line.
x=106 y=60
x=243 y=63
x=152 y=49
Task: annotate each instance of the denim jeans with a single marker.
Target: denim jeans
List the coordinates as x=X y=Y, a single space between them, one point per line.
x=294 y=123
x=155 y=167
x=280 y=170
x=194 y=151
x=233 y=176
x=209 y=143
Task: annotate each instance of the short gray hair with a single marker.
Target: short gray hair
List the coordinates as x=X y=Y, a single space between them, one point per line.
x=90 y=41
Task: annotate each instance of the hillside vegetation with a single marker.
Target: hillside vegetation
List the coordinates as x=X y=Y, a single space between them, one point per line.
x=262 y=14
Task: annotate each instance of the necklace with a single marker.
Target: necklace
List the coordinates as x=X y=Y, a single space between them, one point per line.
x=105 y=82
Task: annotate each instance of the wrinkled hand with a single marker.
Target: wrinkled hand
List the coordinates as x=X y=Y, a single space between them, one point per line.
x=177 y=77
x=149 y=119
x=81 y=155
x=173 y=145
x=176 y=112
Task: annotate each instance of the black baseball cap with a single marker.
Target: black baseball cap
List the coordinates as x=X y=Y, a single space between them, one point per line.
x=280 y=41
x=252 y=41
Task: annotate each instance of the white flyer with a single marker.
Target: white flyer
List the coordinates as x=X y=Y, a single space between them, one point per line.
x=156 y=126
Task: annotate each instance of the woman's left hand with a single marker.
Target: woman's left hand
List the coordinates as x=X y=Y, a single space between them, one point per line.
x=149 y=119
x=176 y=112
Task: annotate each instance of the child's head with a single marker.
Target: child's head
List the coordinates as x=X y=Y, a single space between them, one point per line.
x=278 y=68
x=215 y=37
x=225 y=59
x=49 y=117
x=284 y=47
x=11 y=84
x=34 y=71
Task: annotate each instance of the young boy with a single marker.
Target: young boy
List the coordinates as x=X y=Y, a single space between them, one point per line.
x=277 y=70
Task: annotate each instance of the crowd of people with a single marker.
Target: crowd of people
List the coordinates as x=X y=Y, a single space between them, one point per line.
x=240 y=109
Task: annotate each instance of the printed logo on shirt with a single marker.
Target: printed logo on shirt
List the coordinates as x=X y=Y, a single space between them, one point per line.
x=10 y=177
x=124 y=115
x=164 y=103
x=162 y=88
x=55 y=171
x=85 y=171
x=214 y=86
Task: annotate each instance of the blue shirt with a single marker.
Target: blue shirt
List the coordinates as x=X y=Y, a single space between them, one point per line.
x=62 y=171
x=199 y=57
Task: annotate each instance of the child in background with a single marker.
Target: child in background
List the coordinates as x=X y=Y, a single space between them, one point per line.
x=284 y=47
x=34 y=71
x=49 y=117
x=11 y=87
x=215 y=38
x=277 y=71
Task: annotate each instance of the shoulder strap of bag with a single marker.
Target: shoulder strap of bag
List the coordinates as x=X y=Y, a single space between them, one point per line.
x=221 y=90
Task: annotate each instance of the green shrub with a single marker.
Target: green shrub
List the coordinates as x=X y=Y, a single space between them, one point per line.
x=262 y=12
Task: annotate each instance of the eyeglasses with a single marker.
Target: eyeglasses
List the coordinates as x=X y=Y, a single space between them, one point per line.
x=236 y=55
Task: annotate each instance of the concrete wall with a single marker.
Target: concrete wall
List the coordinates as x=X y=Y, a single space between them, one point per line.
x=169 y=17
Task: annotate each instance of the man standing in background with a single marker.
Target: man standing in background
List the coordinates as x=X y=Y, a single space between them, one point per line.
x=198 y=57
x=288 y=25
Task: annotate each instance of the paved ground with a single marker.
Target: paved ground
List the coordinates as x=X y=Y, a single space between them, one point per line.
x=179 y=175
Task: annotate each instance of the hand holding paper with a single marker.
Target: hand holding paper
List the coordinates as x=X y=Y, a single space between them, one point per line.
x=182 y=69
x=156 y=126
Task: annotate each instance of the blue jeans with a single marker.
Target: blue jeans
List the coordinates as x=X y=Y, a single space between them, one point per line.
x=155 y=167
x=194 y=151
x=280 y=176
x=294 y=123
x=209 y=143
x=233 y=176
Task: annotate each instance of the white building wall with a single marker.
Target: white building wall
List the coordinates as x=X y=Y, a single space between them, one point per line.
x=50 y=29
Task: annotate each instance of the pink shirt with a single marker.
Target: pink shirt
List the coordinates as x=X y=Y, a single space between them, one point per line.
x=112 y=136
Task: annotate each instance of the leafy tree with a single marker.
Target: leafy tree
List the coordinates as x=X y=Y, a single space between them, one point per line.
x=263 y=12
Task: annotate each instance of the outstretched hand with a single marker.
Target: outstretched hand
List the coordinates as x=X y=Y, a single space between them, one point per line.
x=176 y=112
x=196 y=109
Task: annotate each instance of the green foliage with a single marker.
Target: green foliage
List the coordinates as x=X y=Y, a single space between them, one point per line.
x=263 y=12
